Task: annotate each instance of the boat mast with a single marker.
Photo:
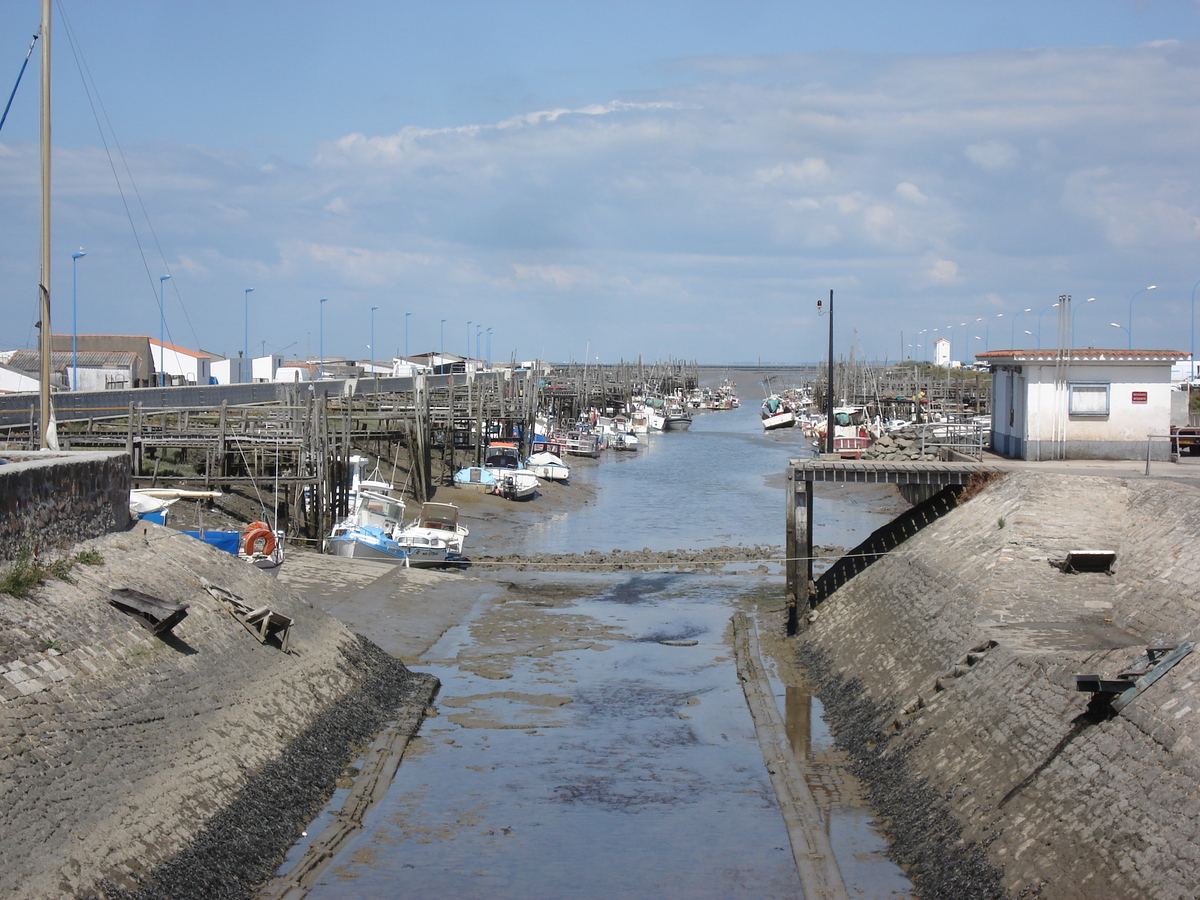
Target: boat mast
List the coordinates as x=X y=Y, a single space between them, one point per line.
x=47 y=423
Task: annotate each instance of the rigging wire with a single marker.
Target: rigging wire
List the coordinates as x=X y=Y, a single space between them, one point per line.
x=20 y=75
x=94 y=100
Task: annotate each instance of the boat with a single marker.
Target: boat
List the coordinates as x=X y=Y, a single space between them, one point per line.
x=434 y=538
x=367 y=532
x=367 y=542
x=850 y=435
x=512 y=484
x=624 y=441
x=547 y=465
x=676 y=419
x=502 y=455
x=578 y=443
x=257 y=543
x=777 y=414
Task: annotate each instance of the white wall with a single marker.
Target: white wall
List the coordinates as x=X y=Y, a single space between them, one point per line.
x=193 y=369
x=262 y=368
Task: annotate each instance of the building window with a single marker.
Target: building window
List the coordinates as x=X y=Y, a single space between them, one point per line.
x=1089 y=399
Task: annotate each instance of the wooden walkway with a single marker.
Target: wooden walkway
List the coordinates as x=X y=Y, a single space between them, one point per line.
x=803 y=474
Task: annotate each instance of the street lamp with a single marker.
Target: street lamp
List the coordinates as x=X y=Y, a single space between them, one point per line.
x=478 y=332
x=442 y=361
x=987 y=337
x=1042 y=313
x=489 y=349
x=1126 y=330
x=1035 y=337
x=1129 y=330
x=75 y=257
x=1074 y=312
x=1013 y=337
x=246 y=348
x=162 y=326
x=468 y=355
x=406 y=315
x=321 y=340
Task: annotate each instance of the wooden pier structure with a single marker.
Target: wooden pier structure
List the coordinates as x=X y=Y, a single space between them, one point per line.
x=921 y=479
x=292 y=442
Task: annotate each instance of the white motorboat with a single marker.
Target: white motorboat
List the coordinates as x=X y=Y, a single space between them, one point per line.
x=435 y=537
x=624 y=441
x=546 y=465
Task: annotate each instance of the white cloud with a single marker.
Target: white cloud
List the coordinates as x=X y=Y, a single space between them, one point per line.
x=992 y=156
x=901 y=181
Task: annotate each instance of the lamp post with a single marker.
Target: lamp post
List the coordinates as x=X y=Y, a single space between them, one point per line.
x=1075 y=312
x=478 y=333
x=406 y=315
x=321 y=339
x=987 y=337
x=162 y=327
x=924 y=350
x=1129 y=330
x=246 y=347
x=1013 y=337
x=468 y=353
x=1035 y=337
x=1042 y=313
x=75 y=257
x=829 y=382
x=442 y=361
x=489 y=349
x=373 y=308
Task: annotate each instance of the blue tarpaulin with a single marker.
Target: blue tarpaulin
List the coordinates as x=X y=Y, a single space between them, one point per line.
x=222 y=540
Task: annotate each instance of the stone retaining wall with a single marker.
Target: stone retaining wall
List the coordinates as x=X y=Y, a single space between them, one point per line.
x=51 y=500
x=128 y=759
x=948 y=668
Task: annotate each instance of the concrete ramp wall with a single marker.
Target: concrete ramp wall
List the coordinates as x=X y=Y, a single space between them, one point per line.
x=948 y=668
x=182 y=765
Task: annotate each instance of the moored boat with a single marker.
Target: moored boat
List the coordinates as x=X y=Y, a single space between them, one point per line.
x=546 y=465
x=777 y=414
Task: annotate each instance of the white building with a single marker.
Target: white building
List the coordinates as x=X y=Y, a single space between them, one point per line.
x=1083 y=404
x=226 y=370
x=181 y=366
x=262 y=368
x=941 y=353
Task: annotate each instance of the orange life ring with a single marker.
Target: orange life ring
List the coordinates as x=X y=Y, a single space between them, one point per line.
x=255 y=532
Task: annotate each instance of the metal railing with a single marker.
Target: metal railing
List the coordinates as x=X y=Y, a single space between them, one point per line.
x=950 y=440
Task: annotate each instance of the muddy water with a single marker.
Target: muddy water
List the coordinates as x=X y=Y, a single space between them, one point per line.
x=592 y=739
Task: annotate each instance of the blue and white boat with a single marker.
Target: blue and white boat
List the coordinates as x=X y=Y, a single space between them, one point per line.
x=367 y=542
x=367 y=532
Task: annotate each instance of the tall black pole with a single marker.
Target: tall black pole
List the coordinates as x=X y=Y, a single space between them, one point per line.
x=829 y=385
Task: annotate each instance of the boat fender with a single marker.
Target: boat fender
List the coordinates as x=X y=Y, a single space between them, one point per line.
x=255 y=532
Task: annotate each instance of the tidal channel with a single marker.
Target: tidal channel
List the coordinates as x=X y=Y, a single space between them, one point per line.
x=591 y=737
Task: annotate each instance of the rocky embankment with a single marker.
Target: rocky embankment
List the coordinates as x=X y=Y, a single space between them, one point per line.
x=948 y=668
x=898 y=446
x=182 y=765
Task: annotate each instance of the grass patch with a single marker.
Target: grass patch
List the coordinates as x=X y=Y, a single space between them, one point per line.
x=27 y=571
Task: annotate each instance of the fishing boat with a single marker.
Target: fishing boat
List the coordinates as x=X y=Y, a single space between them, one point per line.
x=578 y=443
x=257 y=543
x=777 y=414
x=547 y=465
x=625 y=441
x=367 y=542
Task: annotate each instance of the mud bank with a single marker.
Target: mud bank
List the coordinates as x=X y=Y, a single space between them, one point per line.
x=181 y=766
x=948 y=671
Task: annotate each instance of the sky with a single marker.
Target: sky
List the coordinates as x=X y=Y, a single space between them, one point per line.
x=608 y=180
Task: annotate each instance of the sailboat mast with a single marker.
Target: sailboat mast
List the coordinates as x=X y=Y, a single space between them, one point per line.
x=44 y=285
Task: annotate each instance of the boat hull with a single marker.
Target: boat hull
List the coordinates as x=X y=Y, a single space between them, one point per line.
x=779 y=420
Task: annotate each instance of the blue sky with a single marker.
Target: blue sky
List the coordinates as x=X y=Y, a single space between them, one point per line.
x=622 y=179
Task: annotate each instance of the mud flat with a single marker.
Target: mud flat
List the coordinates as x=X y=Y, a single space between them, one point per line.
x=178 y=766
x=947 y=669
